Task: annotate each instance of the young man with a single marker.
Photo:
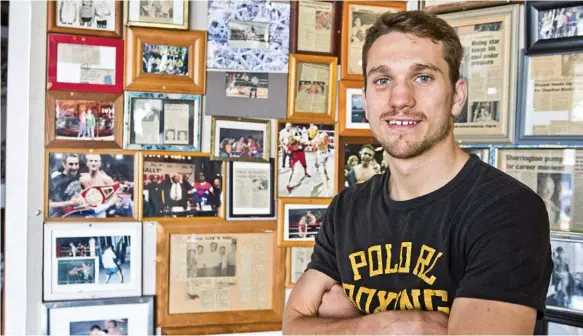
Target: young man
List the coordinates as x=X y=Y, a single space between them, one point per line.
x=442 y=242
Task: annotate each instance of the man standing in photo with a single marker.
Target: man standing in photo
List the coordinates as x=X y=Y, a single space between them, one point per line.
x=64 y=187
x=366 y=169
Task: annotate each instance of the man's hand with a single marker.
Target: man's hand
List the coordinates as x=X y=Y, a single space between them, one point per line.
x=335 y=304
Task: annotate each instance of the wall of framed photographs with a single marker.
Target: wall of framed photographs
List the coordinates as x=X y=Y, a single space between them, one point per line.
x=164 y=202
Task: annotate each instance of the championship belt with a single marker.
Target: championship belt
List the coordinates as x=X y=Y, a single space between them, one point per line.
x=97 y=195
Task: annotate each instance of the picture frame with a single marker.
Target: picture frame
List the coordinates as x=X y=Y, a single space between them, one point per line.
x=66 y=120
x=269 y=50
x=558 y=118
x=181 y=186
x=351 y=44
x=312 y=149
x=299 y=220
x=566 y=261
x=446 y=6
x=561 y=323
x=148 y=70
x=240 y=139
x=176 y=317
x=351 y=115
x=257 y=182
x=312 y=97
x=157 y=16
x=92 y=64
x=91 y=183
x=487 y=115
x=552 y=38
x=67 y=17
x=483 y=153
x=131 y=316
x=309 y=25
x=297 y=259
x=92 y=260
x=353 y=152
x=150 y=129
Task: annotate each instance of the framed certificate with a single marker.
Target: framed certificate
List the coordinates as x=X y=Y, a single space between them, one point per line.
x=315 y=27
x=553 y=26
x=351 y=116
x=157 y=14
x=94 y=18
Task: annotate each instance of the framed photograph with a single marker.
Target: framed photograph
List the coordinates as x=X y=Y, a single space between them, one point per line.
x=553 y=26
x=562 y=322
x=305 y=160
x=251 y=189
x=161 y=121
x=489 y=37
x=157 y=14
x=92 y=260
x=96 y=184
x=209 y=276
x=297 y=260
x=240 y=139
x=97 y=18
x=551 y=173
x=162 y=60
x=299 y=220
x=357 y=17
x=312 y=88
x=481 y=152
x=248 y=35
x=315 y=27
x=445 y=6
x=127 y=316
x=82 y=119
x=252 y=85
x=84 y=63
x=551 y=108
x=351 y=116
x=181 y=185
x=360 y=159
x=563 y=292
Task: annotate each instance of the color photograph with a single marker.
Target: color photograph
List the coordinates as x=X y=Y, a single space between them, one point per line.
x=99 y=328
x=164 y=60
x=238 y=143
x=247 y=85
x=303 y=221
x=560 y=23
x=75 y=271
x=363 y=162
x=84 y=120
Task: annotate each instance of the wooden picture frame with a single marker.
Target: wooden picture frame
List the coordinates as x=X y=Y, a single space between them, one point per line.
x=266 y=185
x=301 y=205
x=334 y=28
x=55 y=140
x=297 y=112
x=537 y=45
x=346 y=124
x=85 y=78
x=224 y=320
x=443 y=6
x=161 y=171
x=342 y=157
x=90 y=202
x=353 y=49
x=53 y=26
x=260 y=129
x=289 y=263
x=149 y=76
x=130 y=15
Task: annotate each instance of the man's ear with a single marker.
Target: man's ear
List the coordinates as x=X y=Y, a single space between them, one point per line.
x=459 y=97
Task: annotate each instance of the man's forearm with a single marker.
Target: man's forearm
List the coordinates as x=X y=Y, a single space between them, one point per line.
x=308 y=325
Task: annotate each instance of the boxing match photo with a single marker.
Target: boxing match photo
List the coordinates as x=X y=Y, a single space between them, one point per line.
x=359 y=161
x=299 y=221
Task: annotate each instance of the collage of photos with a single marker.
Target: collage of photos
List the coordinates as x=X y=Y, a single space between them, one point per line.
x=247 y=85
x=302 y=221
x=363 y=162
x=84 y=120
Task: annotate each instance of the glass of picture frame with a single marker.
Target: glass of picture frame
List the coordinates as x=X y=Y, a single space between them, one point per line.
x=553 y=26
x=90 y=183
x=359 y=159
x=164 y=60
x=567 y=255
x=251 y=189
x=297 y=260
x=158 y=14
x=85 y=63
x=181 y=185
x=316 y=27
x=351 y=115
x=240 y=139
x=96 y=18
x=92 y=260
x=299 y=220
x=161 y=121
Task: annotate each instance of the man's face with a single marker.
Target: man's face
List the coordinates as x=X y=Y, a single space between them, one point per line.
x=110 y=325
x=93 y=162
x=366 y=155
x=409 y=100
x=201 y=177
x=71 y=165
x=213 y=247
x=548 y=188
x=222 y=250
x=199 y=249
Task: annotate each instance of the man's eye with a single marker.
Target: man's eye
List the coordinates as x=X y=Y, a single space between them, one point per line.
x=423 y=79
x=381 y=81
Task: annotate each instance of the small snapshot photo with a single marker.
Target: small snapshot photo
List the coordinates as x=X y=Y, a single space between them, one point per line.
x=182 y=186
x=84 y=120
x=75 y=271
x=566 y=279
x=90 y=185
x=247 y=34
x=302 y=221
x=363 y=161
x=95 y=15
x=212 y=258
x=99 y=328
x=556 y=190
x=240 y=140
x=159 y=11
x=560 y=23
x=161 y=59
x=247 y=85
x=306 y=160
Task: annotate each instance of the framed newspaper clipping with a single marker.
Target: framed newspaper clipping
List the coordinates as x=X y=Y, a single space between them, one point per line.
x=296 y=262
x=315 y=27
x=551 y=108
x=351 y=116
x=299 y=220
x=489 y=37
x=553 y=26
x=554 y=174
x=251 y=189
x=216 y=278
x=563 y=293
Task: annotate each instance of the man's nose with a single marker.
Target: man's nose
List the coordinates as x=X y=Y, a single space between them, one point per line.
x=402 y=95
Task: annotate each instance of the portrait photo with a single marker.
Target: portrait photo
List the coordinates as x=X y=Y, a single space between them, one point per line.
x=247 y=34
x=556 y=190
x=566 y=285
x=363 y=162
x=94 y=15
x=84 y=120
x=302 y=221
x=560 y=22
x=99 y=328
x=239 y=139
x=216 y=258
x=160 y=59
x=247 y=85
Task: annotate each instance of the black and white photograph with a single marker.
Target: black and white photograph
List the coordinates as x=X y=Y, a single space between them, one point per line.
x=479 y=112
x=560 y=22
x=157 y=11
x=164 y=60
x=212 y=258
x=566 y=286
x=253 y=85
x=99 y=328
x=74 y=271
x=306 y=160
x=303 y=221
x=83 y=185
x=363 y=161
x=361 y=21
x=248 y=34
x=556 y=190
x=182 y=186
x=96 y=14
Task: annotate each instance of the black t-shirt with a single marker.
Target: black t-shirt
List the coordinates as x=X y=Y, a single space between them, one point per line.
x=483 y=235
x=63 y=188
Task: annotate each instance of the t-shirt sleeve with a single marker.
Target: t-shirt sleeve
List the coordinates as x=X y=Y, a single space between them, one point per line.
x=507 y=252
x=324 y=255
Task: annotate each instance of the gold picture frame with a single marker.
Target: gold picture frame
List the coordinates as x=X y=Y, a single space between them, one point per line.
x=128 y=10
x=301 y=208
x=252 y=151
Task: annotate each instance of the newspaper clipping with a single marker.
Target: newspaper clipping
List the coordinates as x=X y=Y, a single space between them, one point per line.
x=312 y=88
x=252 y=188
x=315 y=26
x=555 y=95
x=176 y=121
x=214 y=273
x=483 y=68
x=553 y=174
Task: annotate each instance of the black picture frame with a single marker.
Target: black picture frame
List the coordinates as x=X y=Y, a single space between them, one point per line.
x=534 y=45
x=566 y=318
x=271 y=213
